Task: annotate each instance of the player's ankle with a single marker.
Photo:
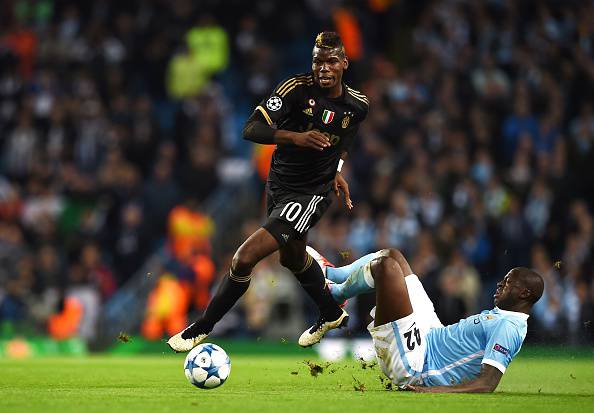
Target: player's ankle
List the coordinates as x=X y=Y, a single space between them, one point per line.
x=198 y=328
x=335 y=292
x=331 y=313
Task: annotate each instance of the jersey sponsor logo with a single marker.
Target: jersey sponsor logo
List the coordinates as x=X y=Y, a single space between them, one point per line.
x=334 y=139
x=308 y=111
x=327 y=116
x=501 y=349
x=345 y=122
x=274 y=103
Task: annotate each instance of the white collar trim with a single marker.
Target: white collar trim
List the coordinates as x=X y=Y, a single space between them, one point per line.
x=523 y=316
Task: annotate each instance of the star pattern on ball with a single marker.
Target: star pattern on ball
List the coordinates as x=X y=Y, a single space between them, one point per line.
x=208 y=350
x=213 y=371
x=207 y=366
x=190 y=365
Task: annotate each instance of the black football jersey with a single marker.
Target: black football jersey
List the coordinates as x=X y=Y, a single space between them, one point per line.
x=298 y=104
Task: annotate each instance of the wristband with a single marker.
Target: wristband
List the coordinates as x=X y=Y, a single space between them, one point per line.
x=340 y=163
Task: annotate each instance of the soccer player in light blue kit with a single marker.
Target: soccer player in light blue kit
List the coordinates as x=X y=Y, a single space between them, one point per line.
x=413 y=348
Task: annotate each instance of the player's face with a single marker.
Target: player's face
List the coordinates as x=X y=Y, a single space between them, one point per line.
x=508 y=291
x=327 y=66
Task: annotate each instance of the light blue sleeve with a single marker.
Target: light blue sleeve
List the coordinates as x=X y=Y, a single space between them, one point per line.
x=503 y=344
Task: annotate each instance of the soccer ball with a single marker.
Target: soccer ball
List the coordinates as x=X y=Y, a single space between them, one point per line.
x=207 y=366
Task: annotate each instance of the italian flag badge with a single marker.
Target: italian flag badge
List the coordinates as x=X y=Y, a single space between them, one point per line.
x=327 y=116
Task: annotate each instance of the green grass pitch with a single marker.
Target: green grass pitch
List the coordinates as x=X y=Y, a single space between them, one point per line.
x=260 y=383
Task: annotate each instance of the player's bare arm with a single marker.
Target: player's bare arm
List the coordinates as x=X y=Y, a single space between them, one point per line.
x=486 y=382
x=311 y=139
x=258 y=131
x=341 y=185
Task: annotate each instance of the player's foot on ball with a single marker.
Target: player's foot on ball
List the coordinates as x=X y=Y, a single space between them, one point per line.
x=186 y=340
x=331 y=285
x=321 y=327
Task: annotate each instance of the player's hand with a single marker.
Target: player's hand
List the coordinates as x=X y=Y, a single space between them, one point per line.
x=426 y=389
x=417 y=389
x=340 y=184
x=311 y=139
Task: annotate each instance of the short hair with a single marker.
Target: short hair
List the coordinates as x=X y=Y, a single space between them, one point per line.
x=329 y=40
x=531 y=280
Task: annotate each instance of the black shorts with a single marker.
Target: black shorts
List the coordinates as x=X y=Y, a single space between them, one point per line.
x=291 y=215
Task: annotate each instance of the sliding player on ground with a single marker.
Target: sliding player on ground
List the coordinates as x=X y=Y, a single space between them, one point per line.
x=413 y=348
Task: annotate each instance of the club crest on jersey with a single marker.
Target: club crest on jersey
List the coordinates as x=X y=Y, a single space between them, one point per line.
x=274 y=103
x=308 y=111
x=345 y=122
x=327 y=116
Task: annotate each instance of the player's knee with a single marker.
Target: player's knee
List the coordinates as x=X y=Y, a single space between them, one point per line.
x=284 y=261
x=385 y=267
x=243 y=261
x=291 y=261
x=399 y=258
x=392 y=253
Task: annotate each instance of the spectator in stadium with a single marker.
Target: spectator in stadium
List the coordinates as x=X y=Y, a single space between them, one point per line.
x=130 y=243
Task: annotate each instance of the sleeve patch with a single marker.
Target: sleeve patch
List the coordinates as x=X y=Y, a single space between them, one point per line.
x=274 y=103
x=501 y=349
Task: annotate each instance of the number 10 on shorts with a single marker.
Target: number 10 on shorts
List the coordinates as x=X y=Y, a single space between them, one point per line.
x=292 y=210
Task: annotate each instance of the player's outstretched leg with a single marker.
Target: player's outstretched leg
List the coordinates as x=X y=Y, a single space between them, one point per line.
x=356 y=278
x=339 y=275
x=308 y=272
x=234 y=284
x=359 y=279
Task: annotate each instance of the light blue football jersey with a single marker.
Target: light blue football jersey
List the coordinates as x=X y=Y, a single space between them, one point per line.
x=455 y=353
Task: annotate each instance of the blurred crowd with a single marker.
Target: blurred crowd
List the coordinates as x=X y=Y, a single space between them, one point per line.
x=120 y=120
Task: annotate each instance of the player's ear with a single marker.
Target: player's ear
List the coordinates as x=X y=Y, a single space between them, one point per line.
x=345 y=63
x=525 y=293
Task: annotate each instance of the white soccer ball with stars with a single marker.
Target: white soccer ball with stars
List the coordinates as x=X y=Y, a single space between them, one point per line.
x=207 y=366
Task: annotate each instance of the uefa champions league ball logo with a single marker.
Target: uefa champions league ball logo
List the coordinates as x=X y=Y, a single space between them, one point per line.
x=274 y=103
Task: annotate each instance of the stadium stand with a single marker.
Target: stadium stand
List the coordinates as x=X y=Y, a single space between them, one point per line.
x=124 y=180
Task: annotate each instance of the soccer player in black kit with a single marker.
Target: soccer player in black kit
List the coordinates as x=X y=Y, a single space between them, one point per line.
x=313 y=119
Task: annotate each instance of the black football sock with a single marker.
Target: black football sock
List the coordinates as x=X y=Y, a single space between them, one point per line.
x=312 y=280
x=230 y=290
